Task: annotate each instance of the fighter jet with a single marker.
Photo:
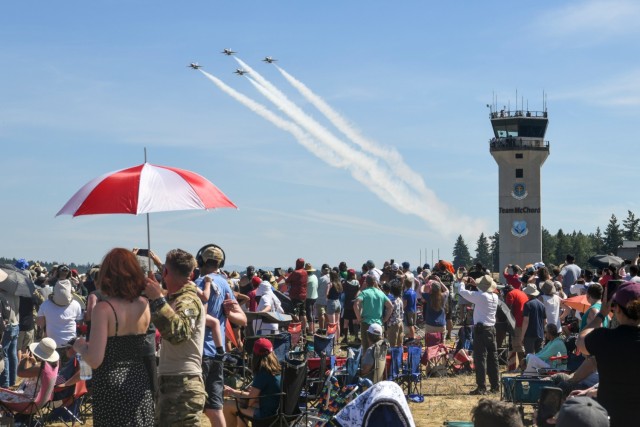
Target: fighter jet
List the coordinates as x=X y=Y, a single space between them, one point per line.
x=194 y=65
x=269 y=59
x=240 y=71
x=227 y=51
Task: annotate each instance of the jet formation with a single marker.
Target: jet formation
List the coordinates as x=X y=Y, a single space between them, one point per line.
x=238 y=71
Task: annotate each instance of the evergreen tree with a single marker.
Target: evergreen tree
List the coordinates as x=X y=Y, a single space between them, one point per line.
x=597 y=242
x=631 y=226
x=495 y=251
x=461 y=255
x=612 y=236
x=483 y=252
x=563 y=246
x=581 y=248
x=548 y=247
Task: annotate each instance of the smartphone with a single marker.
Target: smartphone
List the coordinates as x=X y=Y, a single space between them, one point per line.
x=548 y=405
x=143 y=252
x=612 y=287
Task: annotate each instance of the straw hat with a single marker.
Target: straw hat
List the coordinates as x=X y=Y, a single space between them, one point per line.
x=486 y=283
x=45 y=350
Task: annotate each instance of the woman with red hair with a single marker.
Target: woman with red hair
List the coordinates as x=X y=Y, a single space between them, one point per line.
x=121 y=385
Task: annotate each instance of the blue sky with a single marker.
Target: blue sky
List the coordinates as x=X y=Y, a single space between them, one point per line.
x=85 y=87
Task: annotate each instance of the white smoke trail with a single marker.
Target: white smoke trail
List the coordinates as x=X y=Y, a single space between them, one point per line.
x=379 y=179
x=303 y=138
x=389 y=155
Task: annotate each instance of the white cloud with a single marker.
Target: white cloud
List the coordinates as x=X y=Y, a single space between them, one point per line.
x=591 y=21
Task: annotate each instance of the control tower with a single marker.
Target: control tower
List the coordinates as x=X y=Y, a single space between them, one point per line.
x=519 y=148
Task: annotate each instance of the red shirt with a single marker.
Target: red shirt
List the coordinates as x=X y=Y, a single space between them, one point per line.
x=253 y=305
x=297 y=282
x=513 y=280
x=516 y=299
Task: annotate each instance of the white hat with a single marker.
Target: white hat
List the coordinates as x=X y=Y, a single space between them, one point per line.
x=45 y=350
x=486 y=283
x=531 y=289
x=62 y=295
x=375 y=329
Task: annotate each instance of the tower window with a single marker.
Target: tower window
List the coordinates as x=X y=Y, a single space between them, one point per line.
x=518 y=155
x=519 y=173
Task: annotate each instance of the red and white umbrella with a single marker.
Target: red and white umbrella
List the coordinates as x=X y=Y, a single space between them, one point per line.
x=144 y=189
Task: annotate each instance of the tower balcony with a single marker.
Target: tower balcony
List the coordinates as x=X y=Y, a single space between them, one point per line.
x=518 y=143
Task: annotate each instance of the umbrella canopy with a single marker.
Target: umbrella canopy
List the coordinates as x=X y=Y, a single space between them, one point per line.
x=602 y=261
x=144 y=189
x=16 y=282
x=578 y=303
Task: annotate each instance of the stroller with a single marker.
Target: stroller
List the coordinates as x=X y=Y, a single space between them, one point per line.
x=382 y=405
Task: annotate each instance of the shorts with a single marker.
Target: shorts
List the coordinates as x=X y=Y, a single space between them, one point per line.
x=410 y=318
x=298 y=306
x=24 y=339
x=309 y=306
x=180 y=400
x=213 y=376
x=349 y=314
x=333 y=306
x=395 y=334
x=518 y=340
x=321 y=310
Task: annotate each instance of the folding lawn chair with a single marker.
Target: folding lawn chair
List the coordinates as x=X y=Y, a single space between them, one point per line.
x=295 y=329
x=65 y=404
x=19 y=406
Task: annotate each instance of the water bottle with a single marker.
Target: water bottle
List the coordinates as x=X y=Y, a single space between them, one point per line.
x=85 y=369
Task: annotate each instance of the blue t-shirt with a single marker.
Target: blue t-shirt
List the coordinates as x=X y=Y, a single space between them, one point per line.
x=219 y=288
x=534 y=309
x=432 y=317
x=410 y=297
x=268 y=385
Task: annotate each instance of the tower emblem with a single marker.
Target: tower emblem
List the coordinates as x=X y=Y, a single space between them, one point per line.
x=519 y=191
x=519 y=228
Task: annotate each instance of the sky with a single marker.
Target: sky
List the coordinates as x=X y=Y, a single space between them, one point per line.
x=84 y=88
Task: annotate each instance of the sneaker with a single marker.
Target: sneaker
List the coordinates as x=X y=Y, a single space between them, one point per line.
x=478 y=392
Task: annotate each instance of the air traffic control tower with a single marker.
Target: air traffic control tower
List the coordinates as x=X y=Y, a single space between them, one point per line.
x=519 y=148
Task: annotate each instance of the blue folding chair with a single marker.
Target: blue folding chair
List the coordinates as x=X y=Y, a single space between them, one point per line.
x=413 y=374
x=396 y=368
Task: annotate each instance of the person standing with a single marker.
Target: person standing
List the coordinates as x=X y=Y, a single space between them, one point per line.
x=515 y=300
x=569 y=274
x=121 y=385
x=312 y=296
x=180 y=318
x=223 y=306
x=619 y=376
x=297 y=284
x=409 y=303
x=485 y=350
x=321 y=302
x=371 y=306
x=534 y=319
x=333 y=302
x=351 y=286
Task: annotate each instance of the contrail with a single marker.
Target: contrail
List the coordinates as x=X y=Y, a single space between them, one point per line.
x=303 y=138
x=369 y=172
x=389 y=155
x=366 y=170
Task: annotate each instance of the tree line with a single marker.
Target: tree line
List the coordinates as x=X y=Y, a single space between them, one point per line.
x=556 y=246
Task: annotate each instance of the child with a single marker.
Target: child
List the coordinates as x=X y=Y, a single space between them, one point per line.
x=409 y=300
x=212 y=322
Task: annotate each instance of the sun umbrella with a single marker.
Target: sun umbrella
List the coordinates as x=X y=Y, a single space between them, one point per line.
x=602 y=261
x=144 y=189
x=578 y=303
x=15 y=282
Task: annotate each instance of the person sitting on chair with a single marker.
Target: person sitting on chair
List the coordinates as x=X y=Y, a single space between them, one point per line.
x=541 y=360
x=376 y=351
x=261 y=400
x=39 y=362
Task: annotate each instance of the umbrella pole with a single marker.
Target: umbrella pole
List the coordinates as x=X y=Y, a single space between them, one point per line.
x=148 y=242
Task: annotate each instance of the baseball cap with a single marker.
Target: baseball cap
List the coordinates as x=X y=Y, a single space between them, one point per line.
x=629 y=291
x=255 y=280
x=262 y=347
x=213 y=253
x=375 y=329
x=582 y=411
x=406 y=265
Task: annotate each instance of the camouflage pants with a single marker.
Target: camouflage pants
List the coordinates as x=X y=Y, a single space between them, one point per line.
x=180 y=400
